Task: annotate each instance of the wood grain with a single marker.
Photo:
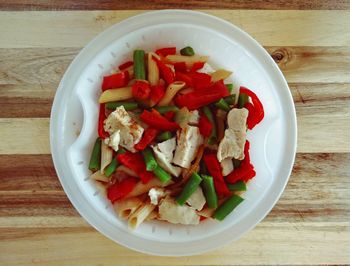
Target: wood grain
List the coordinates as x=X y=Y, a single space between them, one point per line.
x=269 y=27
x=170 y=4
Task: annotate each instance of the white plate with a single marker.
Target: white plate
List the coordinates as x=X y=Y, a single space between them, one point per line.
x=75 y=112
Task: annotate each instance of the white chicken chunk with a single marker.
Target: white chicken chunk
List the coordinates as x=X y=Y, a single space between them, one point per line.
x=227 y=166
x=197 y=199
x=172 y=212
x=130 y=132
x=188 y=142
x=114 y=140
x=155 y=194
x=164 y=155
x=232 y=144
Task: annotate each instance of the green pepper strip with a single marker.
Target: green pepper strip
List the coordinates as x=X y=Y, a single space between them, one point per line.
x=213 y=136
x=229 y=87
x=190 y=187
x=162 y=175
x=238 y=186
x=227 y=207
x=149 y=159
x=128 y=106
x=95 y=159
x=230 y=99
x=242 y=100
x=188 y=50
x=139 y=64
x=165 y=109
x=222 y=104
x=164 y=136
x=209 y=191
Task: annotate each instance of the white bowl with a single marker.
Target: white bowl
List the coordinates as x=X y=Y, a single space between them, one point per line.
x=75 y=112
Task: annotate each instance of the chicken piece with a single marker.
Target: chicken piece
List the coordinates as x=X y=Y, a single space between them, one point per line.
x=172 y=212
x=164 y=155
x=197 y=199
x=188 y=141
x=155 y=194
x=193 y=118
x=114 y=140
x=130 y=132
x=227 y=166
x=232 y=145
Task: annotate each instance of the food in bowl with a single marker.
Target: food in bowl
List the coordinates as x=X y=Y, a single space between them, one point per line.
x=172 y=138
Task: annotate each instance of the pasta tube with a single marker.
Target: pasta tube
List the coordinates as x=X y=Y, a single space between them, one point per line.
x=188 y=60
x=119 y=94
x=106 y=156
x=126 y=207
x=220 y=74
x=171 y=91
x=153 y=71
x=140 y=215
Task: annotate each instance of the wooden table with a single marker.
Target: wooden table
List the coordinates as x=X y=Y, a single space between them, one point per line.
x=310 y=40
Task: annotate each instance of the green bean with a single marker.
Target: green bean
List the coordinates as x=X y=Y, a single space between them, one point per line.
x=236 y=163
x=222 y=104
x=110 y=169
x=229 y=87
x=149 y=159
x=139 y=64
x=188 y=50
x=164 y=136
x=227 y=207
x=209 y=191
x=213 y=135
x=95 y=159
x=165 y=109
x=162 y=175
x=190 y=187
x=242 y=100
x=128 y=106
x=230 y=99
x=238 y=186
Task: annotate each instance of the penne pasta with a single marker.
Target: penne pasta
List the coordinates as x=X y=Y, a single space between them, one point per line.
x=119 y=94
x=141 y=188
x=153 y=71
x=171 y=91
x=153 y=215
x=188 y=60
x=106 y=156
x=220 y=74
x=126 y=207
x=140 y=215
x=127 y=170
x=101 y=188
x=206 y=212
x=98 y=176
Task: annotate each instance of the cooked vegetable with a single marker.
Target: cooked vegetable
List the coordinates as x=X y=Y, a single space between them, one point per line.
x=119 y=94
x=110 y=169
x=188 y=50
x=149 y=159
x=213 y=135
x=101 y=118
x=209 y=191
x=139 y=64
x=166 y=51
x=222 y=104
x=128 y=106
x=148 y=136
x=165 y=109
x=165 y=71
x=95 y=159
x=116 y=80
x=121 y=189
x=242 y=100
x=231 y=99
x=141 y=90
x=227 y=207
x=229 y=87
x=161 y=174
x=156 y=120
x=125 y=65
x=238 y=186
x=205 y=126
x=157 y=93
x=190 y=187
x=164 y=136
x=258 y=108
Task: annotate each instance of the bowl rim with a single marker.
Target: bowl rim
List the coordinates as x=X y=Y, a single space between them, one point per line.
x=80 y=203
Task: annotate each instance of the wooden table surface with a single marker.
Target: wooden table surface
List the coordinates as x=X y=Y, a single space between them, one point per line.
x=310 y=40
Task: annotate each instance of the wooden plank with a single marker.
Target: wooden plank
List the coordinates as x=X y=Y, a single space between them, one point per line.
x=269 y=27
x=171 y=4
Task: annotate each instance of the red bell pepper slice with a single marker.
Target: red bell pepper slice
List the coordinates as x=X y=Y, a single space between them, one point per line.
x=200 y=80
x=148 y=136
x=198 y=98
x=205 y=126
x=251 y=115
x=157 y=93
x=101 y=118
x=121 y=189
x=141 y=90
x=126 y=65
x=135 y=162
x=165 y=71
x=180 y=66
x=215 y=171
x=258 y=107
x=196 y=66
x=245 y=171
x=154 y=119
x=169 y=115
x=166 y=51
x=180 y=76
x=116 y=80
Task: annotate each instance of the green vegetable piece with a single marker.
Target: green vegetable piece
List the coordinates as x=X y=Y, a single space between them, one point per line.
x=95 y=159
x=190 y=187
x=165 y=109
x=213 y=135
x=236 y=163
x=209 y=191
x=139 y=64
x=128 y=106
x=149 y=159
x=188 y=50
x=164 y=136
x=162 y=175
x=227 y=207
x=238 y=186
x=229 y=87
x=242 y=100
x=230 y=99
x=110 y=169
x=222 y=104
